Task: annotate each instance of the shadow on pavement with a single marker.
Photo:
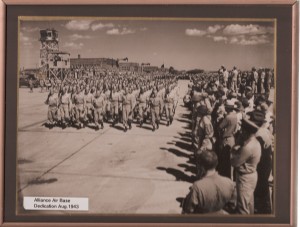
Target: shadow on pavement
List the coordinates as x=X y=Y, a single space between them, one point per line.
x=147 y=127
x=187 y=140
x=176 y=152
x=178 y=174
x=184 y=146
x=42 y=181
x=189 y=168
x=24 y=161
x=118 y=127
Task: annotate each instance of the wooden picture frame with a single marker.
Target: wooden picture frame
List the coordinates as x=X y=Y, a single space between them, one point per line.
x=287 y=46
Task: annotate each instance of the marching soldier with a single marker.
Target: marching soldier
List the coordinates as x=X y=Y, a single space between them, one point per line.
x=114 y=99
x=79 y=102
x=88 y=105
x=65 y=106
x=99 y=105
x=142 y=99
x=169 y=105
x=155 y=108
x=107 y=109
x=52 y=102
x=127 y=108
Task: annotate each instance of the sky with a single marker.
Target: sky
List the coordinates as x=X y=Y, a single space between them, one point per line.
x=182 y=44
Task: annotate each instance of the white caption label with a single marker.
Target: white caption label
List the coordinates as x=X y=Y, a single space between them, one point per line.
x=56 y=203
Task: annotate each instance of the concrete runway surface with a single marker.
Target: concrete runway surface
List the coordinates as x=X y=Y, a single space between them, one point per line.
x=138 y=172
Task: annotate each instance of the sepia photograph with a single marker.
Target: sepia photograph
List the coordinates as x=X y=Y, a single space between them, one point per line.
x=144 y=116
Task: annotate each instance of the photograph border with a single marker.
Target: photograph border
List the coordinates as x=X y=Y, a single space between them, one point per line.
x=294 y=99
x=179 y=19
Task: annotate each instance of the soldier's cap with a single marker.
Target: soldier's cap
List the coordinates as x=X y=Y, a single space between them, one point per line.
x=232 y=95
x=245 y=102
x=230 y=104
x=264 y=107
x=259 y=100
x=256 y=119
x=249 y=95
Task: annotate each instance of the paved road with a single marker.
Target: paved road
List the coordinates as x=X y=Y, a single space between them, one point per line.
x=135 y=172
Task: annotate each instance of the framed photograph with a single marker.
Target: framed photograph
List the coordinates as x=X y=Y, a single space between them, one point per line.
x=121 y=114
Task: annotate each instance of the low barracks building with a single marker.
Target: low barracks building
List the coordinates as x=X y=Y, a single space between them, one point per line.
x=129 y=66
x=112 y=63
x=93 y=62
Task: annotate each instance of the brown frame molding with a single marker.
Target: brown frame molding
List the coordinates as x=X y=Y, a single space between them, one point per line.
x=294 y=97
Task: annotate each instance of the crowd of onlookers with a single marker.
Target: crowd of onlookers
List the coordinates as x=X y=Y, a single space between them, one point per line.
x=233 y=142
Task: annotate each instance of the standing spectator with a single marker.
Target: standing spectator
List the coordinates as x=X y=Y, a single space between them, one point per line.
x=234 y=79
x=245 y=158
x=254 y=80
x=212 y=192
x=227 y=128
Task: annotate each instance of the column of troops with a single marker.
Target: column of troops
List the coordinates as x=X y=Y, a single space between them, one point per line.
x=112 y=98
x=233 y=142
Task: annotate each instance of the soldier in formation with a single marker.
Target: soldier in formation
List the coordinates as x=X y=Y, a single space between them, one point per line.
x=113 y=99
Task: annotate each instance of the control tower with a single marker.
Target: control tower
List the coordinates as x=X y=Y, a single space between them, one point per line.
x=53 y=63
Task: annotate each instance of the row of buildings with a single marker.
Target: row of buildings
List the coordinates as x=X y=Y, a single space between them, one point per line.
x=113 y=63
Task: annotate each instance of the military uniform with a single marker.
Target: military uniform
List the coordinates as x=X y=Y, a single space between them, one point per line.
x=99 y=105
x=52 y=102
x=254 y=81
x=169 y=105
x=65 y=105
x=107 y=107
x=142 y=99
x=127 y=107
x=234 y=80
x=245 y=161
x=115 y=98
x=89 y=106
x=155 y=108
x=79 y=102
